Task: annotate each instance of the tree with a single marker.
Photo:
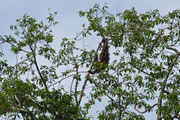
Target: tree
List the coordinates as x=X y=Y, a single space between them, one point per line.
x=144 y=66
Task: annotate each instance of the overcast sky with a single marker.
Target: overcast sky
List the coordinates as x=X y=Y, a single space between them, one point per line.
x=69 y=21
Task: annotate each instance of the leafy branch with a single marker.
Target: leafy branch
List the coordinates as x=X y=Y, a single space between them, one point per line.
x=166 y=79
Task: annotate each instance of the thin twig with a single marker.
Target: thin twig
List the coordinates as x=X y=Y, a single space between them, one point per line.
x=23 y=61
x=60 y=81
x=4 y=41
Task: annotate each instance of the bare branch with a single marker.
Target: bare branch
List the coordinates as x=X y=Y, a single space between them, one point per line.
x=83 y=88
x=76 y=85
x=147 y=110
x=17 y=100
x=165 y=80
x=171 y=48
x=38 y=70
x=24 y=110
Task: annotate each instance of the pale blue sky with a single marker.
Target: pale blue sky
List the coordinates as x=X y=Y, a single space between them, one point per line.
x=69 y=21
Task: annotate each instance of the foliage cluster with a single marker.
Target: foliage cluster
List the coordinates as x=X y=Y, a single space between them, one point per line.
x=144 y=66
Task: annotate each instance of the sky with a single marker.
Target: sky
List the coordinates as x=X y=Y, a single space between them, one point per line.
x=70 y=24
x=69 y=21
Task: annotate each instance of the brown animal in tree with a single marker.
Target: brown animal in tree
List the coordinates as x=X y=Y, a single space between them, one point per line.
x=102 y=62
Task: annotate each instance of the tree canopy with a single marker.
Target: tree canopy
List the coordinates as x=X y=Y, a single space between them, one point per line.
x=142 y=75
